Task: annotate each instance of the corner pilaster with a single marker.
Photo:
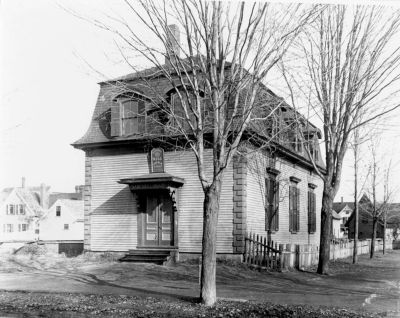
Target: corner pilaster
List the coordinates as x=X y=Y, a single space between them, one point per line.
x=239 y=203
x=87 y=200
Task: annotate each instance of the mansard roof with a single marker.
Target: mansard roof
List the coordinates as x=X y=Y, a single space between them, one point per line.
x=134 y=83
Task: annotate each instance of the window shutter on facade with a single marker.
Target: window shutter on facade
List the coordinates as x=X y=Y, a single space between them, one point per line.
x=297 y=209
x=267 y=203
x=276 y=206
x=115 y=120
x=291 y=208
x=313 y=213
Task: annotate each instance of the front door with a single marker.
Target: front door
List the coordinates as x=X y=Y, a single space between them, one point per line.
x=159 y=220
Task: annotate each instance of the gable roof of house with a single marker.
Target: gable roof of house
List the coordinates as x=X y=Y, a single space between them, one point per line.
x=335 y=215
x=339 y=206
x=27 y=196
x=76 y=207
x=53 y=197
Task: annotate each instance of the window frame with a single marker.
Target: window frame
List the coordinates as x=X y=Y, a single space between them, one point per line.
x=294 y=205
x=311 y=209
x=272 y=200
x=58 y=210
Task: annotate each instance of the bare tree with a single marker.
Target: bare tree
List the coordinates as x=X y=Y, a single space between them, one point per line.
x=351 y=72
x=376 y=210
x=217 y=75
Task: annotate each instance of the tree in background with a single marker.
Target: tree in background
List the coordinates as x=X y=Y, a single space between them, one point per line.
x=346 y=70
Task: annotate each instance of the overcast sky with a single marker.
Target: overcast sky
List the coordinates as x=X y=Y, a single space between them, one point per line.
x=48 y=94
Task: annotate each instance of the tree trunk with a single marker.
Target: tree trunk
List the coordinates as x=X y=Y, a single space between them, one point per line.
x=384 y=233
x=326 y=219
x=355 y=250
x=208 y=292
x=374 y=226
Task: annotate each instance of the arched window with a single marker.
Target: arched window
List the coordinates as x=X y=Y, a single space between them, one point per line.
x=133 y=116
x=128 y=114
x=178 y=103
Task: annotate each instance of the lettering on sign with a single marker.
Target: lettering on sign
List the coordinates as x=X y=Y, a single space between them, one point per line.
x=157 y=160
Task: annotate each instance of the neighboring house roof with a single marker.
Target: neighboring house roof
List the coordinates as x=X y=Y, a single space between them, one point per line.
x=5 y=194
x=339 y=206
x=393 y=215
x=76 y=207
x=335 y=215
x=27 y=196
x=53 y=197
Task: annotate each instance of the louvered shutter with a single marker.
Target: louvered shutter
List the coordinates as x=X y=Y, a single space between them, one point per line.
x=276 y=206
x=309 y=210
x=314 y=216
x=267 y=204
x=297 y=209
x=291 y=208
x=115 y=120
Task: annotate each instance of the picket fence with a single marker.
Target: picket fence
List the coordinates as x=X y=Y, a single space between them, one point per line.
x=260 y=253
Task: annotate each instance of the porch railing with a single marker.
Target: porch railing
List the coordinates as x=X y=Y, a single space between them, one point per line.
x=260 y=253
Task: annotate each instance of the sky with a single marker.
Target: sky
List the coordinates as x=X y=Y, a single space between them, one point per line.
x=50 y=61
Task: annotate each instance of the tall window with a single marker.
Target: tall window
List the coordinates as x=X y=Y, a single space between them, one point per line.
x=271 y=203
x=133 y=115
x=58 y=210
x=22 y=209
x=178 y=106
x=312 y=220
x=294 y=206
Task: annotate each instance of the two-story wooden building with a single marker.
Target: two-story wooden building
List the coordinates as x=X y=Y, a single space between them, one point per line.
x=142 y=189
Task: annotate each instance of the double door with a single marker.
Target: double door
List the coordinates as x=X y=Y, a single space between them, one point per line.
x=159 y=220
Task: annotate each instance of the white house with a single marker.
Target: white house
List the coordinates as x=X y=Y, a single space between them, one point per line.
x=63 y=221
x=20 y=211
x=340 y=214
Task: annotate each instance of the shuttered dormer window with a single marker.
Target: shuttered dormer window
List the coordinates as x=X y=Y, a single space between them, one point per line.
x=133 y=117
x=128 y=114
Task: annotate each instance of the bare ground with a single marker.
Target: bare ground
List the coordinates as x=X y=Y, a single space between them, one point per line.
x=42 y=285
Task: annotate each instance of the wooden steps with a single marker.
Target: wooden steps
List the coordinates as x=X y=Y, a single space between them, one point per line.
x=155 y=256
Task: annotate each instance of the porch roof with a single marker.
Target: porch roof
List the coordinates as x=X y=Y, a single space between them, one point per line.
x=153 y=181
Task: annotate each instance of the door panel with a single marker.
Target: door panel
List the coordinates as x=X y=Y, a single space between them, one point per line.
x=151 y=224
x=159 y=220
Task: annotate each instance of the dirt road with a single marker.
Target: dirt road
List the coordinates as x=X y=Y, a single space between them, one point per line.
x=372 y=286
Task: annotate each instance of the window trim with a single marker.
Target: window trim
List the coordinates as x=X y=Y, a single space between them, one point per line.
x=294 y=207
x=58 y=210
x=311 y=209
x=271 y=180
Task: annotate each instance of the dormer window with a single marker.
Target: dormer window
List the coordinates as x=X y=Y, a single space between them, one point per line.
x=128 y=114
x=177 y=105
x=133 y=117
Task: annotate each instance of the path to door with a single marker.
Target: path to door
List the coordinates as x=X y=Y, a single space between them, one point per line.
x=370 y=285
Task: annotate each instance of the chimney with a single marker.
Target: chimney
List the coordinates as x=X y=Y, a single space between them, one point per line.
x=23 y=183
x=173 y=42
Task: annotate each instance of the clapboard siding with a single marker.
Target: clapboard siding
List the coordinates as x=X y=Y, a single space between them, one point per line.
x=255 y=203
x=111 y=233
x=113 y=203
